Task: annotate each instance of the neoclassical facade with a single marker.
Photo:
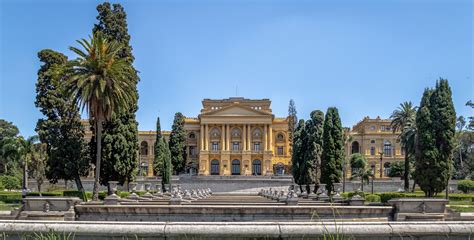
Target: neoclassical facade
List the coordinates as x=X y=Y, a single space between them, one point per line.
x=234 y=136
x=239 y=136
x=376 y=141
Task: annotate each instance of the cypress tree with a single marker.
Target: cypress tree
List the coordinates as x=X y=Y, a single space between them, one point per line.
x=120 y=134
x=292 y=123
x=333 y=149
x=61 y=129
x=436 y=122
x=297 y=152
x=158 y=161
x=314 y=147
x=177 y=144
x=167 y=166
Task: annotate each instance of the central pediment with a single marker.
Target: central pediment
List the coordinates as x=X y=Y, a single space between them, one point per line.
x=236 y=111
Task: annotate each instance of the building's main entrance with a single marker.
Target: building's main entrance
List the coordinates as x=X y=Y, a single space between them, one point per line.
x=235 y=167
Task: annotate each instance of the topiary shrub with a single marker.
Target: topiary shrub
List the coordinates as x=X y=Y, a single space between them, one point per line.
x=351 y=194
x=466 y=186
x=386 y=196
x=75 y=193
x=372 y=198
x=45 y=194
x=10 y=197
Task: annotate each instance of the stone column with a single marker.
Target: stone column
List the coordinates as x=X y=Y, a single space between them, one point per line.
x=206 y=141
x=202 y=137
x=249 y=137
x=150 y=160
x=243 y=137
x=223 y=145
x=270 y=135
x=228 y=137
x=265 y=138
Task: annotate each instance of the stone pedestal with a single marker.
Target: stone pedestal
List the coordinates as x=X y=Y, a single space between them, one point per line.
x=356 y=200
x=422 y=209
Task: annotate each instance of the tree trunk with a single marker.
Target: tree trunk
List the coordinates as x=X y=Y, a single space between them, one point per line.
x=38 y=184
x=109 y=189
x=95 y=193
x=362 y=184
x=80 y=187
x=406 y=174
x=414 y=185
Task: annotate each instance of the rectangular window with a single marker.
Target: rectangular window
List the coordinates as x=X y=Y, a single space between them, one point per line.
x=372 y=151
x=192 y=150
x=280 y=151
x=215 y=146
x=256 y=147
x=387 y=150
x=235 y=146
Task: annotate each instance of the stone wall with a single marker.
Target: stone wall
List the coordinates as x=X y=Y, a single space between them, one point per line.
x=247 y=184
x=241 y=230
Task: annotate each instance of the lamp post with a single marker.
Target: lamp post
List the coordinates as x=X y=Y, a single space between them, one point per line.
x=381 y=166
x=373 y=176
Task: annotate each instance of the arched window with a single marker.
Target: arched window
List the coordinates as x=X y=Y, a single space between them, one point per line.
x=257 y=167
x=144 y=148
x=215 y=133
x=215 y=167
x=192 y=136
x=257 y=133
x=387 y=148
x=355 y=147
x=235 y=167
x=235 y=132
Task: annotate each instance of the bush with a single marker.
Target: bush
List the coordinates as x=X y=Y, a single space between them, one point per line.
x=385 y=197
x=10 y=182
x=466 y=186
x=372 y=198
x=75 y=193
x=45 y=194
x=10 y=197
x=102 y=195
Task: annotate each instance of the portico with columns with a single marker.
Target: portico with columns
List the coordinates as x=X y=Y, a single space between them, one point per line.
x=237 y=138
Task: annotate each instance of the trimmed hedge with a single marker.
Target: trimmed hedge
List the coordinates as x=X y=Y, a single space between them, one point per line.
x=466 y=186
x=10 y=197
x=45 y=194
x=372 y=198
x=75 y=193
x=385 y=197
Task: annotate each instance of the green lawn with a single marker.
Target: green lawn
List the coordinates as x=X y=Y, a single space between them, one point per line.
x=461 y=206
x=8 y=206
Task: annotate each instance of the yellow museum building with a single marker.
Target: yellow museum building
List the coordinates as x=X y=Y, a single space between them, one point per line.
x=239 y=136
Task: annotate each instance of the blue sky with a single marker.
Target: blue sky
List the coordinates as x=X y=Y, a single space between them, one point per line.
x=364 y=57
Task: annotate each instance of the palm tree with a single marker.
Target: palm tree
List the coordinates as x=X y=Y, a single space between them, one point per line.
x=99 y=81
x=403 y=121
x=26 y=151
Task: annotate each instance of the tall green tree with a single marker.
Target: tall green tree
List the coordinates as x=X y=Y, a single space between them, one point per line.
x=403 y=121
x=298 y=152
x=60 y=129
x=177 y=144
x=100 y=81
x=8 y=146
x=120 y=132
x=314 y=148
x=37 y=165
x=436 y=121
x=333 y=149
x=162 y=163
x=158 y=161
x=292 y=123
x=8 y=129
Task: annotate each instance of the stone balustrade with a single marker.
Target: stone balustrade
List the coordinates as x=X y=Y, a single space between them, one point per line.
x=240 y=230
